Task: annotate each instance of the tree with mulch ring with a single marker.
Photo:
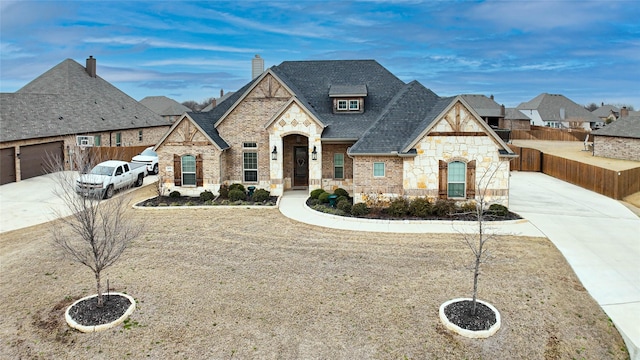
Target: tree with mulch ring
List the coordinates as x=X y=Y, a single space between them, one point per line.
x=85 y=315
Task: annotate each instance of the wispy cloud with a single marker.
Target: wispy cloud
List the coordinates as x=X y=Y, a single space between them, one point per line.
x=157 y=43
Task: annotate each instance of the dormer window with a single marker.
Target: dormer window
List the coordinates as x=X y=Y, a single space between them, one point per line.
x=348 y=99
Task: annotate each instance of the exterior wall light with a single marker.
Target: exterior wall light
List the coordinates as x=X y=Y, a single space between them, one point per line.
x=314 y=154
x=274 y=154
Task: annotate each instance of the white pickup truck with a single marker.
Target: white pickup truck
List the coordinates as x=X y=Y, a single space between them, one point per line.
x=108 y=176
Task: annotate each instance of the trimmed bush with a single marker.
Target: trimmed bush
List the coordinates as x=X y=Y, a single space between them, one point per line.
x=398 y=207
x=315 y=193
x=444 y=207
x=340 y=198
x=174 y=194
x=359 y=209
x=236 y=186
x=237 y=194
x=498 y=210
x=224 y=191
x=469 y=207
x=420 y=207
x=314 y=202
x=207 y=195
x=324 y=197
x=344 y=205
x=260 y=195
x=341 y=192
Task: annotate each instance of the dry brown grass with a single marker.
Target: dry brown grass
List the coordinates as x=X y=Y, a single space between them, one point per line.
x=242 y=283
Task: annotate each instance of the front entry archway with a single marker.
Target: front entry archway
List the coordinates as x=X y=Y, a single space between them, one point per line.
x=295 y=162
x=300 y=166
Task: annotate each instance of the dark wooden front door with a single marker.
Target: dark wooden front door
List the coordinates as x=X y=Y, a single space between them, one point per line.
x=300 y=166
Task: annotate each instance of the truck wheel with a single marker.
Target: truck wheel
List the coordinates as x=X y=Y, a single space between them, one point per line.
x=155 y=169
x=109 y=192
x=139 y=180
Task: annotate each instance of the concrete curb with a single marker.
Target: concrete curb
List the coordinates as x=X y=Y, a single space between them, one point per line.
x=102 y=327
x=480 y=334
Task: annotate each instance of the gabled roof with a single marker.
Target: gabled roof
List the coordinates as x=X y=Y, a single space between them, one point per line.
x=605 y=110
x=66 y=100
x=556 y=107
x=626 y=127
x=515 y=114
x=203 y=124
x=164 y=106
x=484 y=106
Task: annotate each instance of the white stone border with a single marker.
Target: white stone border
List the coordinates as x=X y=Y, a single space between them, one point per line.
x=96 y=328
x=479 y=334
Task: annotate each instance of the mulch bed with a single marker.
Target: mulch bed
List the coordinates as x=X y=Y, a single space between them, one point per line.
x=88 y=313
x=196 y=201
x=460 y=313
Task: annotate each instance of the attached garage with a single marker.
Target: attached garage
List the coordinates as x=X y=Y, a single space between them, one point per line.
x=7 y=166
x=33 y=158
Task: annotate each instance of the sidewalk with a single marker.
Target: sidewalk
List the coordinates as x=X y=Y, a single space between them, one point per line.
x=598 y=236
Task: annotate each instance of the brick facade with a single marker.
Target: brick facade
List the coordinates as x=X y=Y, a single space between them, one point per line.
x=616 y=147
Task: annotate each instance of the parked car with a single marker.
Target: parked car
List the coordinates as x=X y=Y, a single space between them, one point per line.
x=149 y=158
x=108 y=176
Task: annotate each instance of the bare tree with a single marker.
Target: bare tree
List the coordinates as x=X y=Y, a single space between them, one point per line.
x=100 y=230
x=191 y=105
x=477 y=241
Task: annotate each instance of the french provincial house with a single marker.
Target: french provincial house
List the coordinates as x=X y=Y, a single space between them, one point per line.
x=67 y=109
x=329 y=124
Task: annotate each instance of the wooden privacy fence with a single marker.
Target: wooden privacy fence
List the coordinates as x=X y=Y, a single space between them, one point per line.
x=547 y=133
x=124 y=153
x=611 y=183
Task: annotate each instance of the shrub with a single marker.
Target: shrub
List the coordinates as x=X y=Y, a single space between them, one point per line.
x=341 y=192
x=420 y=207
x=236 y=186
x=398 y=207
x=260 y=195
x=444 y=207
x=469 y=207
x=313 y=202
x=340 y=198
x=224 y=191
x=344 y=205
x=324 y=197
x=236 y=194
x=359 y=209
x=174 y=194
x=498 y=210
x=206 y=195
x=315 y=193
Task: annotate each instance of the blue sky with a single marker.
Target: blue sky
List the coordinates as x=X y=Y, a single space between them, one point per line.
x=588 y=51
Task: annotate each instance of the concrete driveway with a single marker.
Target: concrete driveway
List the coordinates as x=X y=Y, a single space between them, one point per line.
x=33 y=201
x=599 y=237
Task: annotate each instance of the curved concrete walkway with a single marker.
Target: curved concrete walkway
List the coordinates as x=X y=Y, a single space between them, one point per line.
x=599 y=237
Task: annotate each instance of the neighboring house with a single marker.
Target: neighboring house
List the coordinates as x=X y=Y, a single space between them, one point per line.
x=607 y=114
x=619 y=140
x=216 y=101
x=515 y=119
x=67 y=106
x=328 y=124
x=487 y=108
x=557 y=111
x=168 y=108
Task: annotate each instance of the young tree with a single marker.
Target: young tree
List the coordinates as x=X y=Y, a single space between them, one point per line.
x=100 y=229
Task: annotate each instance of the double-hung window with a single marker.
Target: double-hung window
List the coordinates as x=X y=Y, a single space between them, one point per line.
x=378 y=169
x=338 y=166
x=118 y=139
x=96 y=140
x=456 y=179
x=250 y=161
x=188 y=170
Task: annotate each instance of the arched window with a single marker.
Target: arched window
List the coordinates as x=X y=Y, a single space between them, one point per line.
x=456 y=179
x=188 y=170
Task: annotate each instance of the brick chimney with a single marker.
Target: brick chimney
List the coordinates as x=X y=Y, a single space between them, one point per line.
x=502 y=110
x=624 y=112
x=91 y=66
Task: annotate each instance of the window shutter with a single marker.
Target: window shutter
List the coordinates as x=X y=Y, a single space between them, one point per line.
x=177 y=170
x=442 y=177
x=471 y=179
x=199 y=177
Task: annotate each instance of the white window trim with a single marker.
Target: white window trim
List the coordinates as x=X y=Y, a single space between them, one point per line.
x=345 y=104
x=384 y=169
x=182 y=172
x=334 y=166
x=244 y=169
x=463 y=182
x=356 y=102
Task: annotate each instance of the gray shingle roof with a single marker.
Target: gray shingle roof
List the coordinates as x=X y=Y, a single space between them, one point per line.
x=515 y=114
x=347 y=90
x=164 y=106
x=605 y=110
x=204 y=121
x=65 y=100
x=484 y=106
x=626 y=127
x=551 y=108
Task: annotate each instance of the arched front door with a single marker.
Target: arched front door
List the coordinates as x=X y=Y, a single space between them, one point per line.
x=300 y=166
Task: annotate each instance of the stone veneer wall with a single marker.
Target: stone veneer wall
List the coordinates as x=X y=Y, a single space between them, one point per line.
x=210 y=168
x=616 y=147
x=377 y=191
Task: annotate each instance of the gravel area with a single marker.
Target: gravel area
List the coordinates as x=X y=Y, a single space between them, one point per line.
x=222 y=283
